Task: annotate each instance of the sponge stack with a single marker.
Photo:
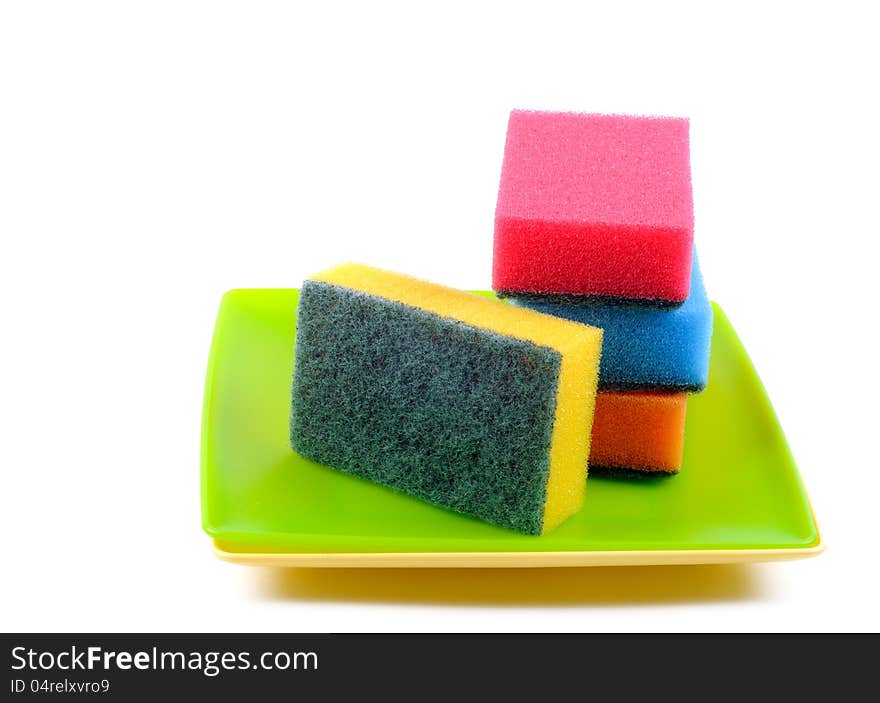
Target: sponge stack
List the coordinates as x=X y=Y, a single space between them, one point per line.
x=461 y=400
x=594 y=223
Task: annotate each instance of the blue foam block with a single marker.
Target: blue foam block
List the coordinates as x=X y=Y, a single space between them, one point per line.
x=648 y=347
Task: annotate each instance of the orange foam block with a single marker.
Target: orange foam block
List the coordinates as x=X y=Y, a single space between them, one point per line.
x=640 y=431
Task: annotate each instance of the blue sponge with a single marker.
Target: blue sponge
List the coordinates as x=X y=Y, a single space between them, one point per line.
x=648 y=348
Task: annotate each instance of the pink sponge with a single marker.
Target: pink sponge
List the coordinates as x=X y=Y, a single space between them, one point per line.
x=595 y=206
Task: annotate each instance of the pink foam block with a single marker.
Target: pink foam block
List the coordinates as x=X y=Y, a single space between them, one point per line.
x=595 y=205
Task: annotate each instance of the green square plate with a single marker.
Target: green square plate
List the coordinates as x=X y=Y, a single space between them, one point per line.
x=738 y=498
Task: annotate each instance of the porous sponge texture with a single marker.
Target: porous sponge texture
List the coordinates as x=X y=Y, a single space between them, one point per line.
x=648 y=348
x=639 y=431
x=454 y=398
x=594 y=206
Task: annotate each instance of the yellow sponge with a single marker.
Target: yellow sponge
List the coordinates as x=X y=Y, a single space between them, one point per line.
x=464 y=401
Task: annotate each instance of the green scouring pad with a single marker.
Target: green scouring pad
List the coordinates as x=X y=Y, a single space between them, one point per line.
x=462 y=401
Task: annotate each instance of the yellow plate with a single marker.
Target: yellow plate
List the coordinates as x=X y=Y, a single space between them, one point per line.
x=245 y=556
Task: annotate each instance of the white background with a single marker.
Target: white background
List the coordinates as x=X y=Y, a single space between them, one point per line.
x=156 y=154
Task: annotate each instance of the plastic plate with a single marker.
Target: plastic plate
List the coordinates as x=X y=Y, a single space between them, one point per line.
x=738 y=497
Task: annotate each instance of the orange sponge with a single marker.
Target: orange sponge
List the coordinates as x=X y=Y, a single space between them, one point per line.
x=638 y=431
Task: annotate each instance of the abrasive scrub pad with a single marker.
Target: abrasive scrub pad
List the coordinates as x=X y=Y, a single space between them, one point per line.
x=648 y=348
x=638 y=432
x=463 y=401
x=595 y=206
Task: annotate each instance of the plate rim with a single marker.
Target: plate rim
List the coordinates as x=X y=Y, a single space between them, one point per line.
x=514 y=559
